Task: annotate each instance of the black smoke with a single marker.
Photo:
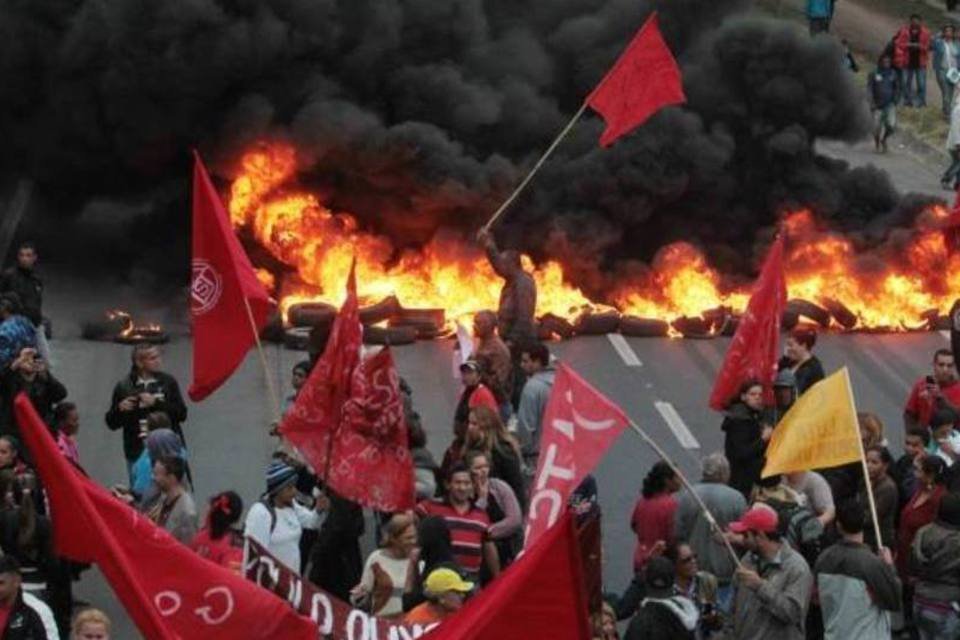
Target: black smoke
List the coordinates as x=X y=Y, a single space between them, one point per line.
x=421 y=114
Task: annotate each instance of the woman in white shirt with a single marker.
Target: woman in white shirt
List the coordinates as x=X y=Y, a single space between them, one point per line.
x=380 y=590
x=278 y=520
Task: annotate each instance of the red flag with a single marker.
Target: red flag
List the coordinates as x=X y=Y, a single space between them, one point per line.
x=371 y=462
x=578 y=427
x=644 y=79
x=168 y=590
x=222 y=279
x=540 y=595
x=313 y=420
x=753 y=351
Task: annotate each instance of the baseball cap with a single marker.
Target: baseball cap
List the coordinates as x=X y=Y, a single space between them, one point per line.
x=470 y=365
x=659 y=576
x=759 y=518
x=442 y=580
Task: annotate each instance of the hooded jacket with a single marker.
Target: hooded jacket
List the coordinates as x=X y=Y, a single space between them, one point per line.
x=673 y=618
x=533 y=404
x=935 y=562
x=743 y=446
x=857 y=592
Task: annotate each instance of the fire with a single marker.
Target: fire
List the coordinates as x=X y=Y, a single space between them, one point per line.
x=451 y=273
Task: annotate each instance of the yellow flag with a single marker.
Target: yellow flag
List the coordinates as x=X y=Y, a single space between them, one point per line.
x=820 y=429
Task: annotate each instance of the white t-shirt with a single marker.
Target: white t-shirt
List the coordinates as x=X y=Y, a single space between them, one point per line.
x=284 y=541
x=390 y=573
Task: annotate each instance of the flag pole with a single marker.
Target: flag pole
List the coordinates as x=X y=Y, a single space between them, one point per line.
x=271 y=387
x=546 y=154
x=863 y=462
x=686 y=483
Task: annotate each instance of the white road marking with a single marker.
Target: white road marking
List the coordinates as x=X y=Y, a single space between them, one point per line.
x=946 y=335
x=676 y=424
x=623 y=349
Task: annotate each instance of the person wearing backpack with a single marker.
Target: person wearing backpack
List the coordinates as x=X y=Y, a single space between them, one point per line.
x=277 y=520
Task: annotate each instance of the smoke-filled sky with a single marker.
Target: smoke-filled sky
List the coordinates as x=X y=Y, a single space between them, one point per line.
x=421 y=114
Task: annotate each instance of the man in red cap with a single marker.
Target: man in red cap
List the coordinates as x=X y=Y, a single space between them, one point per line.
x=773 y=585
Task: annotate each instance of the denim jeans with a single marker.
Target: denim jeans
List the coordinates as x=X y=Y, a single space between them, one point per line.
x=909 y=78
x=946 y=92
x=935 y=624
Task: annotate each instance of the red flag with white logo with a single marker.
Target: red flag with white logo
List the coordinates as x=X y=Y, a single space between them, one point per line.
x=222 y=283
x=168 y=590
x=313 y=421
x=752 y=354
x=580 y=423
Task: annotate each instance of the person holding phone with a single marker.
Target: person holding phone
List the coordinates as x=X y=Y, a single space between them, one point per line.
x=932 y=392
x=29 y=374
x=145 y=390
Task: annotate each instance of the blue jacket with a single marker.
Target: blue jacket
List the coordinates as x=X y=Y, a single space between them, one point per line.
x=819 y=8
x=883 y=86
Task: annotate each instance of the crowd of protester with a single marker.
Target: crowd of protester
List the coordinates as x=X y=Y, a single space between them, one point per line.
x=807 y=563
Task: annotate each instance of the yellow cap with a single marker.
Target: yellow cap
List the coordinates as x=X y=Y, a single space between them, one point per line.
x=442 y=580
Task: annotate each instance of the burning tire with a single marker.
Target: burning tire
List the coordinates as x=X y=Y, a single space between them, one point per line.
x=840 y=312
x=552 y=325
x=428 y=323
x=390 y=336
x=273 y=330
x=643 y=327
x=102 y=329
x=595 y=324
x=311 y=314
x=809 y=310
x=297 y=338
x=425 y=330
x=692 y=327
x=383 y=310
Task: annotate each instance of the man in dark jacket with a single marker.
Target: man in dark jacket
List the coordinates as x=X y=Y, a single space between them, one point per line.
x=883 y=88
x=746 y=437
x=144 y=391
x=663 y=615
x=857 y=589
x=28 y=374
x=23 y=616
x=518 y=298
x=935 y=562
x=22 y=280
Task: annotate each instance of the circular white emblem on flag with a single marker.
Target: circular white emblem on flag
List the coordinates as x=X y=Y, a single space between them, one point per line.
x=205 y=288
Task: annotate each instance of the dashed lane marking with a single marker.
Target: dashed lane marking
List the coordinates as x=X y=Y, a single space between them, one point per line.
x=623 y=349
x=669 y=414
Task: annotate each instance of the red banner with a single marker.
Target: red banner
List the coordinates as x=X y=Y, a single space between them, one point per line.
x=578 y=427
x=335 y=619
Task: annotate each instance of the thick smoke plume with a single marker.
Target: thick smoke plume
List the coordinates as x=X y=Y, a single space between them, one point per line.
x=420 y=114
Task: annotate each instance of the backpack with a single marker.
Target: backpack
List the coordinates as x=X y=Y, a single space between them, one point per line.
x=801 y=528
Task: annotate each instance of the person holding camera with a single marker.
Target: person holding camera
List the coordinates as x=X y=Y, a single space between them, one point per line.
x=932 y=392
x=28 y=373
x=145 y=390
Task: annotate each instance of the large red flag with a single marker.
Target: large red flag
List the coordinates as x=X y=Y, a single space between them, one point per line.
x=222 y=282
x=644 y=79
x=169 y=591
x=540 y=595
x=371 y=462
x=752 y=354
x=314 y=419
x=579 y=425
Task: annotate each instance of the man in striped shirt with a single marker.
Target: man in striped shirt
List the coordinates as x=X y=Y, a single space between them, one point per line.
x=468 y=525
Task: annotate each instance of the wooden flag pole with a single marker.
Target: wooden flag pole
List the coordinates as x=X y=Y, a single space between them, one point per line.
x=863 y=462
x=271 y=387
x=546 y=154
x=686 y=483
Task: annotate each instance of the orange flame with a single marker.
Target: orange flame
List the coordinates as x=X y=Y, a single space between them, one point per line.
x=452 y=274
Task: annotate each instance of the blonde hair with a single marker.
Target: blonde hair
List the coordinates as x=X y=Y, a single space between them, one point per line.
x=89 y=616
x=493 y=433
x=395 y=527
x=870 y=423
